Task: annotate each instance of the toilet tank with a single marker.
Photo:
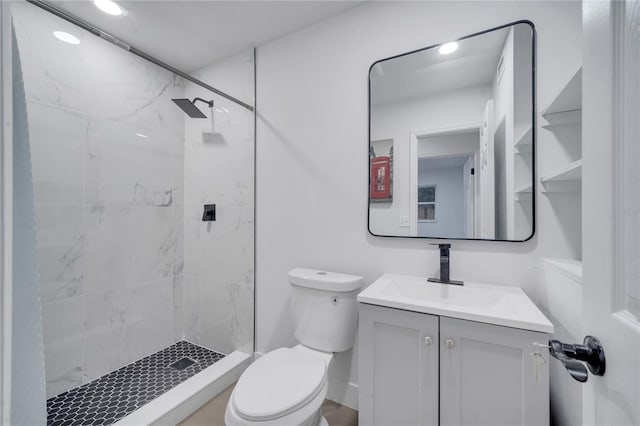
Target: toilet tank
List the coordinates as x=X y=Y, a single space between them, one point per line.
x=325 y=311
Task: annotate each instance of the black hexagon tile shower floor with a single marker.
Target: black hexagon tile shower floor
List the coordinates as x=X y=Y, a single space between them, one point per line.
x=109 y=398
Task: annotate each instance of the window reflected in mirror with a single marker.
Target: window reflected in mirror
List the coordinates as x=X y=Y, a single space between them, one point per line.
x=427 y=203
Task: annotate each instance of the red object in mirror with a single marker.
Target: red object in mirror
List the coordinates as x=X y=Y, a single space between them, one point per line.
x=380 y=180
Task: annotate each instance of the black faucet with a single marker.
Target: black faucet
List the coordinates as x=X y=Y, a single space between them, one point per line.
x=444 y=266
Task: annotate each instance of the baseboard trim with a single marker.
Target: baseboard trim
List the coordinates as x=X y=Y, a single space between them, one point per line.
x=344 y=393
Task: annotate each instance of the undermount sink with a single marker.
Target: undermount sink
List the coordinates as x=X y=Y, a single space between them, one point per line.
x=415 y=288
x=492 y=304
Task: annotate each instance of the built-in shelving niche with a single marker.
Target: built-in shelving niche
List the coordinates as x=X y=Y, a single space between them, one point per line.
x=523 y=186
x=563 y=117
x=567 y=105
x=561 y=281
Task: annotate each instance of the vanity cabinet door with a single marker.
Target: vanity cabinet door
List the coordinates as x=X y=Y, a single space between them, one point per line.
x=488 y=375
x=398 y=368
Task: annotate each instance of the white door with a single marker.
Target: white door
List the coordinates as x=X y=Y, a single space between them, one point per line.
x=487 y=203
x=469 y=185
x=611 y=207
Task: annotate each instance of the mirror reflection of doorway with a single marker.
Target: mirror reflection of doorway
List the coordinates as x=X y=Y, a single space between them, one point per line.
x=501 y=190
x=447 y=184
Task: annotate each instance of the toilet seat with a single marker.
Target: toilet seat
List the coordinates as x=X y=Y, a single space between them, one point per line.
x=277 y=384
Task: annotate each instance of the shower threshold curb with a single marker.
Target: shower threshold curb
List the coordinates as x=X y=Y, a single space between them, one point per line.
x=184 y=399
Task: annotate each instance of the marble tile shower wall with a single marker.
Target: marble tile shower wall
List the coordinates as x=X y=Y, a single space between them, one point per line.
x=219 y=256
x=109 y=203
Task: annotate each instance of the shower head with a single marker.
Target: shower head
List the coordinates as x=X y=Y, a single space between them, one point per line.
x=190 y=108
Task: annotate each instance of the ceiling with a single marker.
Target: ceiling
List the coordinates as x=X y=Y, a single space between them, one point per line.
x=192 y=34
x=428 y=72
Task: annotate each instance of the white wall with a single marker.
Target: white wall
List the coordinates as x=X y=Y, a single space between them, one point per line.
x=397 y=121
x=449 y=144
x=312 y=143
x=449 y=202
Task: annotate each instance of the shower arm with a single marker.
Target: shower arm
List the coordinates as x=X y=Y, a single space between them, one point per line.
x=108 y=37
x=210 y=103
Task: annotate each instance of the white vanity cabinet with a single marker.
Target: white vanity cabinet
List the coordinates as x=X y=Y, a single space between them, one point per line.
x=488 y=375
x=398 y=367
x=423 y=369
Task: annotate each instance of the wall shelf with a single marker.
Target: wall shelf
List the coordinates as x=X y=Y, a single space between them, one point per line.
x=524 y=197
x=569 y=267
x=561 y=281
x=569 y=98
x=527 y=189
x=525 y=150
x=524 y=193
x=524 y=143
x=563 y=118
x=566 y=179
x=524 y=189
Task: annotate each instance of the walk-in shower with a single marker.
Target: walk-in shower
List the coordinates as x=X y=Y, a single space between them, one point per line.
x=132 y=281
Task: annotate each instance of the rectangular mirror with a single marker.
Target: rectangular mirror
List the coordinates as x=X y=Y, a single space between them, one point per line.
x=451 y=139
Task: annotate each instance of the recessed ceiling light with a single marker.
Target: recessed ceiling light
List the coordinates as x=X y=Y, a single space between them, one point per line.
x=447 y=48
x=141 y=135
x=66 y=37
x=108 y=6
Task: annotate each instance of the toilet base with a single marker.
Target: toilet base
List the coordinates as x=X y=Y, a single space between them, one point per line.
x=232 y=419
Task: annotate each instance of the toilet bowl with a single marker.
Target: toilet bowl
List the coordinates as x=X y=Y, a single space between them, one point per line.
x=287 y=386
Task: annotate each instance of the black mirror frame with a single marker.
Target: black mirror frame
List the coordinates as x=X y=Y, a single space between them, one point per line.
x=533 y=134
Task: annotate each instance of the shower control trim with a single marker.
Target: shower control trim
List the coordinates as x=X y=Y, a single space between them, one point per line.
x=209 y=213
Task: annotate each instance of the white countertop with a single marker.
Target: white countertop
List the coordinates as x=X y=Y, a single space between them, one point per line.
x=491 y=304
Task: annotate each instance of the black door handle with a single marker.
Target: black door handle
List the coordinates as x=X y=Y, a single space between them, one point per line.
x=572 y=356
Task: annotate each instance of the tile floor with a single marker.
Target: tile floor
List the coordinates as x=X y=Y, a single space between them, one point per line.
x=212 y=413
x=111 y=397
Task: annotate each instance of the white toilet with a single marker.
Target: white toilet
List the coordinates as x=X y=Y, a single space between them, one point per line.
x=287 y=386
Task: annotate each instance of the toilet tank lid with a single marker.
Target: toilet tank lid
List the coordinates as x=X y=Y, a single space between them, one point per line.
x=324 y=280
